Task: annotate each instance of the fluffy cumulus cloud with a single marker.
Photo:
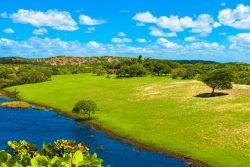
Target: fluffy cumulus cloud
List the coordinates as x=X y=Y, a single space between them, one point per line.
x=145 y=17
x=121 y=34
x=141 y=40
x=90 y=29
x=87 y=20
x=9 y=31
x=121 y=40
x=161 y=48
x=58 y=20
x=190 y=39
x=40 y=31
x=237 y=18
x=205 y=46
x=203 y=24
x=159 y=33
x=241 y=40
x=166 y=43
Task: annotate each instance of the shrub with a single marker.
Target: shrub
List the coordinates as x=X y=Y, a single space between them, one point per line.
x=61 y=153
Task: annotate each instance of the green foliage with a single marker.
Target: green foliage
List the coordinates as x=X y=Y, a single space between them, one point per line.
x=242 y=77
x=134 y=70
x=65 y=153
x=218 y=79
x=148 y=109
x=100 y=70
x=85 y=107
x=183 y=73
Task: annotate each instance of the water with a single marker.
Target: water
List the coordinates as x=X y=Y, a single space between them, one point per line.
x=46 y=126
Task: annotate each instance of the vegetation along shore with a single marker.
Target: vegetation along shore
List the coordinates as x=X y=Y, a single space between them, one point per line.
x=162 y=104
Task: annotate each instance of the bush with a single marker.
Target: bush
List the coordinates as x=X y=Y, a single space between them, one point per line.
x=85 y=107
x=61 y=153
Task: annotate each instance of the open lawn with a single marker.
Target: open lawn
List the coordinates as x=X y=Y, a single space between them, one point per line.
x=160 y=112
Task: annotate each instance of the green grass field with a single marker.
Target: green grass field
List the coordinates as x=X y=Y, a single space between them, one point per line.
x=160 y=112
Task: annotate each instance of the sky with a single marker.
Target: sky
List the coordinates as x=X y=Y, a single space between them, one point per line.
x=217 y=30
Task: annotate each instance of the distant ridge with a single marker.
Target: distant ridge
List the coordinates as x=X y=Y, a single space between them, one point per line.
x=73 y=60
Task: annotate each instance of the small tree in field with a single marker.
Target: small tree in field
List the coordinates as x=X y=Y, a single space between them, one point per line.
x=218 y=79
x=85 y=107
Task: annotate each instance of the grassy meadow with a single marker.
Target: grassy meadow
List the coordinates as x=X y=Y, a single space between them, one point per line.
x=160 y=112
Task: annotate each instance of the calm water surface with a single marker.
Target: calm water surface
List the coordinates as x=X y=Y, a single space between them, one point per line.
x=46 y=126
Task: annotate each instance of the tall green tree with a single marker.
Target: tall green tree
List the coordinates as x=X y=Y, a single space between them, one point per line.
x=218 y=79
x=85 y=107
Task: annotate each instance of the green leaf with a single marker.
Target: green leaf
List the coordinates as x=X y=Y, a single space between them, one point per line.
x=78 y=157
x=3 y=156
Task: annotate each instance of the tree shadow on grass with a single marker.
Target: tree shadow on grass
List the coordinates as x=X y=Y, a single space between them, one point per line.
x=208 y=95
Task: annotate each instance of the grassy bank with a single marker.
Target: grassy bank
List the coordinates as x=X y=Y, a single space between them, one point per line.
x=160 y=112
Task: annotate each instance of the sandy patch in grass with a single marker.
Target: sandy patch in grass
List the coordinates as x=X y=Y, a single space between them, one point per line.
x=185 y=90
x=160 y=90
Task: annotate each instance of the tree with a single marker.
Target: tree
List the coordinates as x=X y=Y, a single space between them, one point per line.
x=85 y=107
x=166 y=69
x=100 y=70
x=140 y=58
x=218 y=79
x=179 y=72
x=137 y=70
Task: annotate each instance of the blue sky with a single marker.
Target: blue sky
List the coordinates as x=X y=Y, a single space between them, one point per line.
x=205 y=30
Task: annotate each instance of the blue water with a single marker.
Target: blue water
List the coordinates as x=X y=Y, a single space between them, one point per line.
x=46 y=126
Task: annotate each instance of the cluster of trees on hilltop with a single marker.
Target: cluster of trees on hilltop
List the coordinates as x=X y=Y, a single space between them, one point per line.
x=22 y=74
x=138 y=67
x=18 y=74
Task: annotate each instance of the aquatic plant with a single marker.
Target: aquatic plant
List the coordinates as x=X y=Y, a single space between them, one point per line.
x=65 y=153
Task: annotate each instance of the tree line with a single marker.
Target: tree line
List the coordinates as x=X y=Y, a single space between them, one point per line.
x=139 y=67
x=16 y=74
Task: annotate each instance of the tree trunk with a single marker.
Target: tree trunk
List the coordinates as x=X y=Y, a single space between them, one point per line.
x=89 y=116
x=212 y=94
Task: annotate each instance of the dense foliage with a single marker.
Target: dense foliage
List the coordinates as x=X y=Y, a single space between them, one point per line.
x=16 y=71
x=65 y=153
x=85 y=107
x=17 y=74
x=218 y=79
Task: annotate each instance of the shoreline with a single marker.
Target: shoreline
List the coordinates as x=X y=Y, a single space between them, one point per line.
x=94 y=125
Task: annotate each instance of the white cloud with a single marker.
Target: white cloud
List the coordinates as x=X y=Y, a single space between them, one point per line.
x=241 y=40
x=145 y=17
x=58 y=20
x=238 y=18
x=9 y=31
x=222 y=33
x=223 y=3
x=86 y=20
x=205 y=46
x=190 y=39
x=121 y=34
x=162 y=48
x=166 y=43
x=6 y=42
x=4 y=15
x=203 y=24
x=141 y=40
x=159 y=33
x=90 y=29
x=139 y=24
x=121 y=40
x=40 y=31
x=93 y=44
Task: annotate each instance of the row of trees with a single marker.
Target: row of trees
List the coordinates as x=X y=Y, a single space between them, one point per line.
x=13 y=74
x=132 y=67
